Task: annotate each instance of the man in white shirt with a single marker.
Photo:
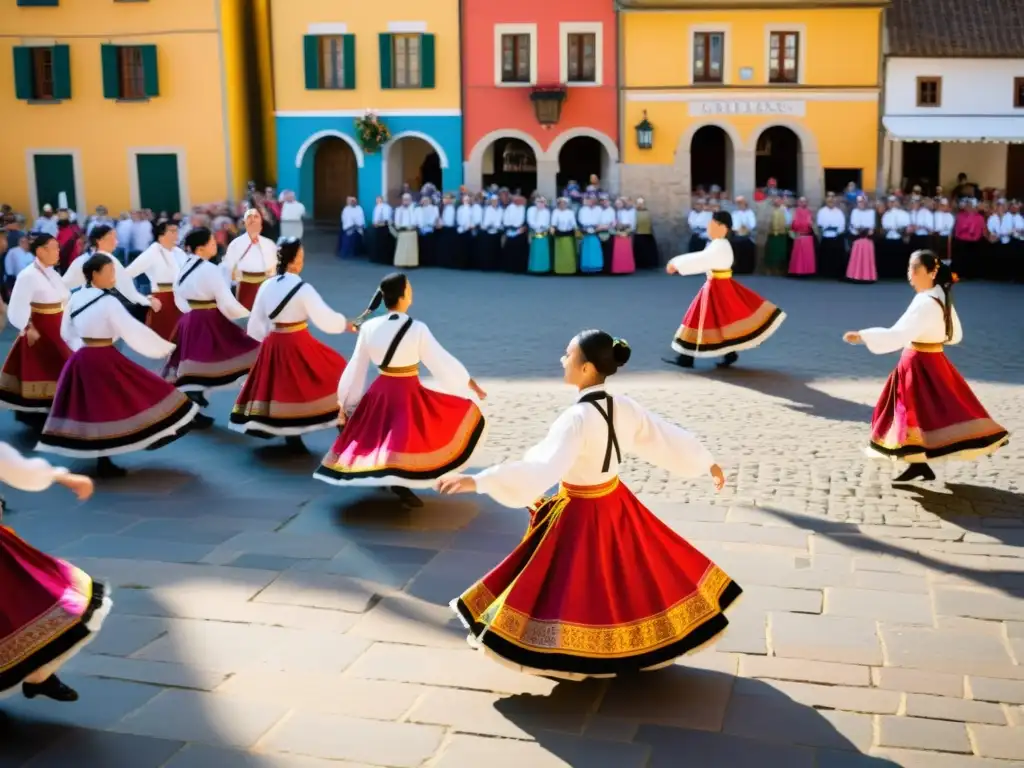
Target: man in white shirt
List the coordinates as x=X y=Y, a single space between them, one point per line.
x=515 y=253
x=292 y=214
x=922 y=224
x=16 y=259
x=142 y=234
x=428 y=219
x=831 y=224
x=353 y=222
x=382 y=249
x=100 y=217
x=744 y=234
x=1001 y=248
x=46 y=224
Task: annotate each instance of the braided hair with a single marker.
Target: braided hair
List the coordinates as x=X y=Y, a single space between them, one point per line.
x=943 y=279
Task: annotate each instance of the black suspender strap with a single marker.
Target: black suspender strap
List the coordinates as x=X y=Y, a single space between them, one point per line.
x=88 y=304
x=286 y=299
x=190 y=270
x=609 y=417
x=395 y=342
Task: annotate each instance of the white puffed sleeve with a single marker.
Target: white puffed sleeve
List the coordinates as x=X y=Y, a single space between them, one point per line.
x=19 y=308
x=321 y=315
x=26 y=474
x=519 y=483
x=716 y=255
x=142 y=262
x=958 y=330
x=666 y=445
x=353 y=380
x=75 y=277
x=136 y=335
x=914 y=323
x=442 y=364
x=259 y=319
x=226 y=302
x=68 y=332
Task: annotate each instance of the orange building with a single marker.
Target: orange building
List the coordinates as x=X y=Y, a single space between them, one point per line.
x=540 y=100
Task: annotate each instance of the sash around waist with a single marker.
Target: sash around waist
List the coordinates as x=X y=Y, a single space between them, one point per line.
x=919 y=346
x=46 y=309
x=405 y=370
x=290 y=327
x=98 y=342
x=589 y=491
x=720 y=274
x=202 y=304
x=164 y=287
x=253 y=277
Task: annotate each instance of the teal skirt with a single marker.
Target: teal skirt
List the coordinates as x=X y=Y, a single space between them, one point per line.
x=540 y=254
x=591 y=255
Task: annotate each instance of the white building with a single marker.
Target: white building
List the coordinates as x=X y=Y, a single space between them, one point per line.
x=954 y=95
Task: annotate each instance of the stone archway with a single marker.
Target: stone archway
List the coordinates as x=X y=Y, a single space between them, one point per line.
x=711 y=159
x=810 y=175
x=412 y=158
x=576 y=149
x=480 y=160
x=741 y=178
x=334 y=168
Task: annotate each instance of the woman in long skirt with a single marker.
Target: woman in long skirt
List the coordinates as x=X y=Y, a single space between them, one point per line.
x=106 y=404
x=161 y=264
x=487 y=255
x=802 y=262
x=926 y=411
x=861 y=267
x=623 y=262
x=212 y=352
x=293 y=387
x=591 y=255
x=645 y=247
x=776 y=248
x=563 y=222
x=539 y=220
x=598 y=586
x=467 y=221
x=49 y=610
x=383 y=241
x=399 y=433
x=447 y=237
x=353 y=224
x=250 y=259
x=515 y=251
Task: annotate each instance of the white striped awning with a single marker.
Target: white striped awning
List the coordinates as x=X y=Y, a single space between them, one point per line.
x=1001 y=129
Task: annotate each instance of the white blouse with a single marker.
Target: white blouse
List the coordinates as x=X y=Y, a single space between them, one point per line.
x=426 y=217
x=418 y=346
x=159 y=265
x=626 y=219
x=588 y=217
x=539 y=219
x=831 y=222
x=464 y=218
x=894 y=222
x=106 y=318
x=405 y=217
x=563 y=220
x=352 y=217
x=574 y=450
x=862 y=220
x=717 y=255
x=244 y=255
x=492 y=219
x=26 y=474
x=35 y=284
x=922 y=322
x=382 y=214
x=513 y=218
x=448 y=216
x=75 y=278
x=944 y=223
x=607 y=218
x=923 y=221
x=305 y=305
x=745 y=219
x=206 y=283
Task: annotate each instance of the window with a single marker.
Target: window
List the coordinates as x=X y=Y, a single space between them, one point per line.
x=405 y=61
x=929 y=91
x=708 y=56
x=581 y=53
x=50 y=3
x=42 y=74
x=1018 y=92
x=332 y=61
x=783 y=52
x=515 y=58
x=131 y=73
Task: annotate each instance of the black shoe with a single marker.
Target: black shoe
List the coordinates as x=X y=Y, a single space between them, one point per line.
x=728 y=360
x=408 y=497
x=294 y=443
x=683 y=361
x=202 y=421
x=105 y=468
x=51 y=688
x=198 y=398
x=916 y=472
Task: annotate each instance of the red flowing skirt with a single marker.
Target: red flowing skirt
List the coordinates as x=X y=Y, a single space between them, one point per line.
x=734 y=318
x=292 y=389
x=403 y=433
x=49 y=610
x=599 y=586
x=29 y=377
x=927 y=411
x=212 y=352
x=247 y=289
x=165 y=321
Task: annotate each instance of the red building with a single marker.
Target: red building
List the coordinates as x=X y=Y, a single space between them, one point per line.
x=540 y=93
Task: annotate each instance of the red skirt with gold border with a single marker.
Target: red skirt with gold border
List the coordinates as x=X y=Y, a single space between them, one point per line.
x=927 y=411
x=599 y=586
x=403 y=433
x=212 y=351
x=166 y=320
x=49 y=610
x=29 y=377
x=725 y=317
x=292 y=389
x=248 y=287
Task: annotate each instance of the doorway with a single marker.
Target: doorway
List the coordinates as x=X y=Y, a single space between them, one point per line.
x=579 y=159
x=778 y=157
x=921 y=161
x=159 y=188
x=55 y=174
x=413 y=162
x=711 y=159
x=1015 y=171
x=335 y=178
x=510 y=163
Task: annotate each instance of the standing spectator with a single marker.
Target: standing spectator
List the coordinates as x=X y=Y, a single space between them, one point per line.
x=124 y=229
x=966 y=189
x=968 y=240
x=744 y=233
x=46 y=224
x=142 y=234
x=292 y=213
x=16 y=259
x=100 y=217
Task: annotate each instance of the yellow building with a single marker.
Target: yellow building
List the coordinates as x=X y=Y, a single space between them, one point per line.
x=742 y=91
x=129 y=104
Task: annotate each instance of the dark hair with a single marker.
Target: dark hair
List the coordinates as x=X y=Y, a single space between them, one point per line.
x=287 y=251
x=38 y=242
x=389 y=292
x=160 y=228
x=94 y=264
x=723 y=217
x=605 y=352
x=98 y=233
x=197 y=238
x=943 y=279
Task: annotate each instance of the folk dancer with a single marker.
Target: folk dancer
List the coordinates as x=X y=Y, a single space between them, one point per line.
x=212 y=352
x=926 y=411
x=400 y=433
x=104 y=240
x=446 y=237
x=862 y=268
x=538 y=218
x=428 y=219
x=353 y=223
x=893 y=250
x=606 y=228
x=467 y=221
x=831 y=221
x=292 y=214
x=515 y=252
x=697 y=222
x=292 y=388
x=106 y=404
x=563 y=222
x=645 y=247
x=49 y=610
x=623 y=261
x=250 y=259
x=538 y=610
x=1000 y=250
x=488 y=242
x=744 y=237
x=33 y=366
x=802 y=260
x=943 y=238
x=383 y=246
x=589 y=221
x=724 y=317
x=969 y=240
x=407 y=249
x=161 y=264
x=922 y=225
x=776 y=249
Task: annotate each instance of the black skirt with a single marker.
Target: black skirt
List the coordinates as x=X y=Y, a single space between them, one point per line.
x=744 y=255
x=445 y=242
x=966 y=258
x=832 y=258
x=515 y=253
x=463 y=250
x=696 y=244
x=428 y=248
x=382 y=250
x=891 y=258
x=487 y=252
x=999 y=262
x=645 y=252
x=607 y=246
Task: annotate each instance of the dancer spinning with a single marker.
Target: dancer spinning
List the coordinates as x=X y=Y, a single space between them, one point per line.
x=293 y=387
x=724 y=317
x=49 y=610
x=212 y=352
x=161 y=264
x=250 y=259
x=400 y=433
x=926 y=411
x=106 y=404
x=598 y=586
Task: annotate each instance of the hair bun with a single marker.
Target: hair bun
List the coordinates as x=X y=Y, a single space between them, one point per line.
x=621 y=351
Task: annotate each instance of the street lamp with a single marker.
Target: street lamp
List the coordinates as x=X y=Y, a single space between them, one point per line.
x=645 y=133
x=547 y=103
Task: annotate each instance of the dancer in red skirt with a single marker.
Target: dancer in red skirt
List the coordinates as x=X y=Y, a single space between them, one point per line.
x=49 y=610
x=293 y=388
x=161 y=264
x=212 y=352
x=724 y=318
x=598 y=586
x=250 y=259
x=926 y=410
x=400 y=433
x=29 y=377
x=106 y=404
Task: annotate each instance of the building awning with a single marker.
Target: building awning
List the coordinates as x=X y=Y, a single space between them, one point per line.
x=981 y=128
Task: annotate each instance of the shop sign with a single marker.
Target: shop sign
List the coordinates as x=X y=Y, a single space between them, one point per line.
x=765 y=108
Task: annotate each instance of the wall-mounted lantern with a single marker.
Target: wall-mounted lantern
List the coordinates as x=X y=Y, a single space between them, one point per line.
x=645 y=133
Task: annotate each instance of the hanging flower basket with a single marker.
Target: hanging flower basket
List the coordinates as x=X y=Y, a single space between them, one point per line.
x=371 y=133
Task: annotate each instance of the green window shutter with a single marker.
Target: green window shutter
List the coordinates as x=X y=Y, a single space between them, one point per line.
x=311 y=47
x=349 y=53
x=150 y=72
x=28 y=3
x=23 y=73
x=426 y=61
x=385 y=61
x=61 y=72
x=111 y=75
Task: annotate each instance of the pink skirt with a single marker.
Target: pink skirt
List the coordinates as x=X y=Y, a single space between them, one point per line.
x=622 y=256
x=801 y=261
x=861 y=268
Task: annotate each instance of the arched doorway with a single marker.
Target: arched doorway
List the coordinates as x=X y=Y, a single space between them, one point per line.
x=711 y=158
x=579 y=158
x=510 y=163
x=413 y=161
x=335 y=177
x=778 y=157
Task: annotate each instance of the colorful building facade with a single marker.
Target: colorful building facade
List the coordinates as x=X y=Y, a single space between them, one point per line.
x=335 y=59
x=516 y=60
x=115 y=104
